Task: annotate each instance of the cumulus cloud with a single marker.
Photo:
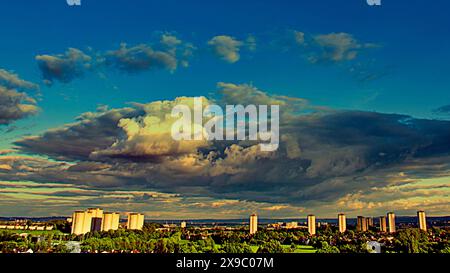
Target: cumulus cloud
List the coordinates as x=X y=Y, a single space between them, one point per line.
x=140 y=58
x=64 y=67
x=324 y=155
x=148 y=137
x=337 y=47
x=226 y=47
x=13 y=81
x=15 y=105
x=91 y=131
x=169 y=52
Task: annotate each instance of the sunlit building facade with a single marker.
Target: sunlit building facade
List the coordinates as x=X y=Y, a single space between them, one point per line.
x=253 y=223
x=96 y=218
x=110 y=221
x=383 y=226
x=135 y=221
x=342 y=222
x=312 y=224
x=361 y=224
x=421 y=218
x=87 y=221
x=391 y=222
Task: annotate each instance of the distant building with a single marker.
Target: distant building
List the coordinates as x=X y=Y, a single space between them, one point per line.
x=342 y=222
x=135 y=221
x=81 y=222
x=391 y=222
x=183 y=224
x=383 y=226
x=422 y=220
x=369 y=222
x=361 y=224
x=253 y=223
x=291 y=225
x=96 y=218
x=110 y=221
x=312 y=224
x=87 y=221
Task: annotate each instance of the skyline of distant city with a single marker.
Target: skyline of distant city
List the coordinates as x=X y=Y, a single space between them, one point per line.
x=87 y=108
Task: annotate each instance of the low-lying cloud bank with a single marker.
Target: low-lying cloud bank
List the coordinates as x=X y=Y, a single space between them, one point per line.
x=351 y=158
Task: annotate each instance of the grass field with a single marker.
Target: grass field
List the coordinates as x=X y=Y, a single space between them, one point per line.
x=36 y=232
x=301 y=249
x=254 y=248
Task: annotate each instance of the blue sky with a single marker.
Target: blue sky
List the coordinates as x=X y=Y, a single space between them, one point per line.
x=400 y=66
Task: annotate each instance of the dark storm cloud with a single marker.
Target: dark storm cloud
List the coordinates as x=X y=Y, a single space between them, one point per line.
x=323 y=155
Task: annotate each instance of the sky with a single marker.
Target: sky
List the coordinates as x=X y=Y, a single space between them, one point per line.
x=363 y=92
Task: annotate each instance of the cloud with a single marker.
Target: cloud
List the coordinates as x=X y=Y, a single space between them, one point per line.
x=168 y=53
x=324 y=156
x=140 y=58
x=93 y=130
x=148 y=137
x=299 y=37
x=226 y=47
x=12 y=81
x=15 y=105
x=338 y=47
x=64 y=67
x=443 y=110
x=169 y=40
x=250 y=43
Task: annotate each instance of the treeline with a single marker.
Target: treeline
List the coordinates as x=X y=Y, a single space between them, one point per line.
x=152 y=240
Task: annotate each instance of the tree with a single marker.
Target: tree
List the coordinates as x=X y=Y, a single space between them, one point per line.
x=326 y=248
x=412 y=240
x=236 y=248
x=271 y=246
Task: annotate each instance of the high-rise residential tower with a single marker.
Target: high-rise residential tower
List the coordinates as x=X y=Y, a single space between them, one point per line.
x=110 y=221
x=391 y=222
x=78 y=222
x=135 y=221
x=361 y=224
x=383 y=227
x=342 y=222
x=253 y=223
x=312 y=224
x=421 y=218
x=96 y=218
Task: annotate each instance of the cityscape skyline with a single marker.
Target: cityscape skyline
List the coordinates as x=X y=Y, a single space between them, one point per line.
x=85 y=107
x=96 y=219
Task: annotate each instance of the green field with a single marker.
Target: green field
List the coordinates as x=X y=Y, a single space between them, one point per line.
x=36 y=232
x=301 y=249
x=254 y=248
